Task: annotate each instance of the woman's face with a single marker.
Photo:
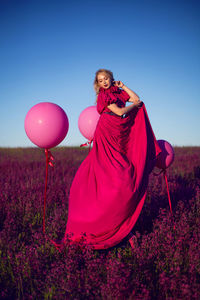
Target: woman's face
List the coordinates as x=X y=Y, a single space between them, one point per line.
x=103 y=80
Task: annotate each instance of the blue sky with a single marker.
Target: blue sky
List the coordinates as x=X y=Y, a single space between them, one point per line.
x=50 y=51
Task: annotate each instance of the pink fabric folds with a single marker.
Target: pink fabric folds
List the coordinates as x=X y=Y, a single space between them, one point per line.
x=109 y=96
x=109 y=188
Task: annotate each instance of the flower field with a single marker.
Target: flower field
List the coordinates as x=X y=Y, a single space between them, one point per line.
x=165 y=260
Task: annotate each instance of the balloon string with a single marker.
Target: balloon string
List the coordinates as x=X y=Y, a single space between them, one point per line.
x=49 y=157
x=168 y=193
x=165 y=176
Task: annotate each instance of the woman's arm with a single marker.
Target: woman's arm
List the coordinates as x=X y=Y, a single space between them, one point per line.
x=133 y=96
x=120 y=111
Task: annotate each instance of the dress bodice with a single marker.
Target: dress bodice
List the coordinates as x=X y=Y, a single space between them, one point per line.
x=109 y=96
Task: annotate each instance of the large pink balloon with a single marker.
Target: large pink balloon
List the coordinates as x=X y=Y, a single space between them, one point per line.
x=166 y=157
x=46 y=124
x=87 y=122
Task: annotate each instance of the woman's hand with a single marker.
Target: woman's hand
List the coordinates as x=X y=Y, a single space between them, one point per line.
x=138 y=103
x=119 y=84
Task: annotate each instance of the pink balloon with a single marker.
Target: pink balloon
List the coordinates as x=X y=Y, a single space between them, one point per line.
x=87 y=122
x=166 y=157
x=46 y=124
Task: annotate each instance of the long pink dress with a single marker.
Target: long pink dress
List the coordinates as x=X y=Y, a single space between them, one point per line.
x=109 y=188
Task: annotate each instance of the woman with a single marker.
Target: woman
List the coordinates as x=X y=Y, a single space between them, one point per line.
x=109 y=188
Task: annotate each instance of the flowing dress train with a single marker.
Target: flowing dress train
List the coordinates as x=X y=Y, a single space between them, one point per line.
x=109 y=188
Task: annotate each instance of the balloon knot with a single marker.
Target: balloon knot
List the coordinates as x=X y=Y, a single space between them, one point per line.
x=49 y=157
x=86 y=144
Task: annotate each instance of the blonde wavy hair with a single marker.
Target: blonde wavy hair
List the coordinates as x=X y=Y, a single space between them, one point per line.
x=107 y=72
